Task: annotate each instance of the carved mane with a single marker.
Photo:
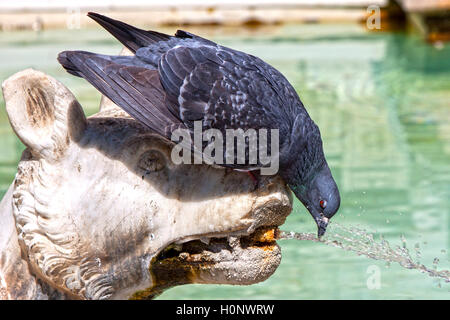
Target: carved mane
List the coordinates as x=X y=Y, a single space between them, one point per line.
x=54 y=255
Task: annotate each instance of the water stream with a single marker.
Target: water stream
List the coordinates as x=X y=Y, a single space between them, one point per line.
x=362 y=242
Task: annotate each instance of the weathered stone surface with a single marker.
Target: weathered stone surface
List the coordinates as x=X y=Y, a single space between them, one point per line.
x=99 y=211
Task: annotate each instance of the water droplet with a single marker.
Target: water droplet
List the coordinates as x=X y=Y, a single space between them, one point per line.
x=403 y=239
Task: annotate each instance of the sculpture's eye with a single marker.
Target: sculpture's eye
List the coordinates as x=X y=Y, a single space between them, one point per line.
x=151 y=161
x=323 y=204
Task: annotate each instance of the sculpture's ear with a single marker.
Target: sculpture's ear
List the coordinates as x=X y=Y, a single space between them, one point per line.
x=43 y=113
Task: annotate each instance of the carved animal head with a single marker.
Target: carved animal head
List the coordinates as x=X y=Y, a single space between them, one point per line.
x=102 y=212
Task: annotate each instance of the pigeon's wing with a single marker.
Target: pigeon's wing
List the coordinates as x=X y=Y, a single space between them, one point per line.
x=223 y=89
x=136 y=89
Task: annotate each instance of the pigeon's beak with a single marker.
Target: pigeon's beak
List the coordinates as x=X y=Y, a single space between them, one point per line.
x=320 y=219
x=322 y=223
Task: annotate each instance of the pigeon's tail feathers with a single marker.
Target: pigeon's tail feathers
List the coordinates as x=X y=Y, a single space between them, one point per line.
x=131 y=37
x=67 y=64
x=135 y=89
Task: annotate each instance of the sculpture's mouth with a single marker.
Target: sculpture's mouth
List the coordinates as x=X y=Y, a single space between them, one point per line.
x=245 y=259
x=245 y=254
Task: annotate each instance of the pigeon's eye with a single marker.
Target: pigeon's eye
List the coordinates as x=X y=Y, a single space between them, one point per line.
x=323 y=204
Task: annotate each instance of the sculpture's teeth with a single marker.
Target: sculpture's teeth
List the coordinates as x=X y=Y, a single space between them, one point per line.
x=205 y=240
x=233 y=241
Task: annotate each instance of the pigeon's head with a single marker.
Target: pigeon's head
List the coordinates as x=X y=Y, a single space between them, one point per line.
x=320 y=195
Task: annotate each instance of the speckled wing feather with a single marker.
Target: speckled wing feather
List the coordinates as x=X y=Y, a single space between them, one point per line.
x=225 y=89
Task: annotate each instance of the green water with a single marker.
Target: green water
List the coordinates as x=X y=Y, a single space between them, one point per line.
x=382 y=103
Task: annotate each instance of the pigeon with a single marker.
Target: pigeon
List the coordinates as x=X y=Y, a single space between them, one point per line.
x=172 y=81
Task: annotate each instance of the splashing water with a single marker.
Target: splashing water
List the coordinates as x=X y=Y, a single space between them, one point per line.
x=361 y=242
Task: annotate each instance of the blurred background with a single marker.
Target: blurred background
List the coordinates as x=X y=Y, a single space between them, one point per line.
x=374 y=75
